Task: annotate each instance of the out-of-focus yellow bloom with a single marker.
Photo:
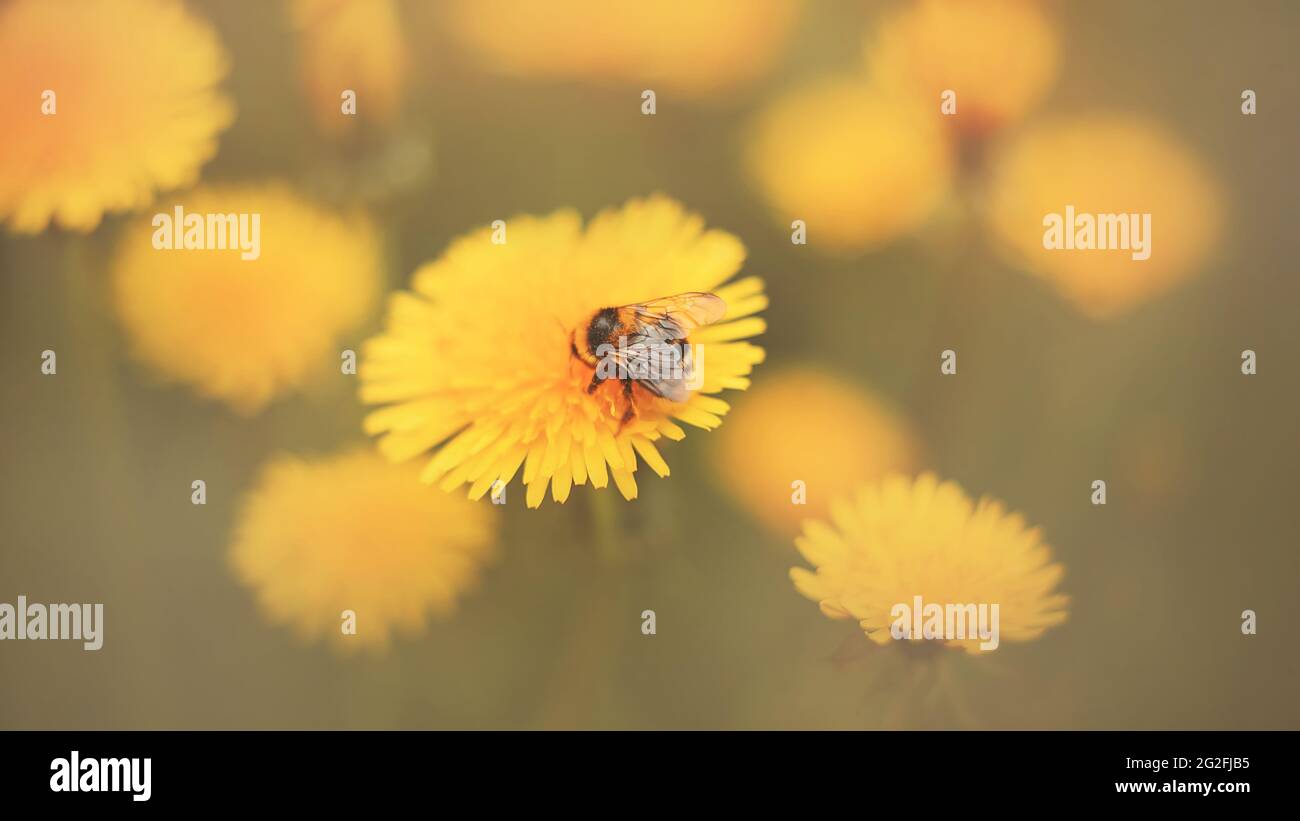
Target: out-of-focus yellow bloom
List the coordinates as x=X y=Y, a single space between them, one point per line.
x=1105 y=164
x=809 y=426
x=352 y=45
x=685 y=46
x=353 y=532
x=857 y=167
x=999 y=56
x=475 y=363
x=901 y=538
x=105 y=102
x=247 y=330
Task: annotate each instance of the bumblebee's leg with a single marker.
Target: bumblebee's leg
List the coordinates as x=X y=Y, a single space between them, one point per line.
x=595 y=382
x=631 y=403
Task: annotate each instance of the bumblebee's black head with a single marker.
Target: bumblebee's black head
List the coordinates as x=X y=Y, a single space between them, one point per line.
x=602 y=327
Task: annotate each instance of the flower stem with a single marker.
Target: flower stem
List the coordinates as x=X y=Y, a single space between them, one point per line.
x=610 y=539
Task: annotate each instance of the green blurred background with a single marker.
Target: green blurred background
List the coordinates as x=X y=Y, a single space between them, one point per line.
x=94 y=499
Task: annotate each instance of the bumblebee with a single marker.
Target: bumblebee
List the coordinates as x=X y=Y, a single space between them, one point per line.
x=645 y=344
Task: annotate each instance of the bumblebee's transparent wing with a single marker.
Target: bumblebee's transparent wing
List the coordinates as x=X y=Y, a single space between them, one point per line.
x=674 y=317
x=666 y=369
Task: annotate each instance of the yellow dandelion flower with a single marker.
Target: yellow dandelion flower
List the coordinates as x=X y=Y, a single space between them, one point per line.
x=833 y=435
x=856 y=167
x=999 y=57
x=244 y=326
x=105 y=102
x=350 y=45
x=476 y=364
x=351 y=532
x=685 y=46
x=901 y=538
x=1105 y=165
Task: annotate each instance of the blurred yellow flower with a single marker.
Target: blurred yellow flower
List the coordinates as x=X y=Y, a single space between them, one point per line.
x=857 y=167
x=1109 y=165
x=999 y=57
x=352 y=532
x=901 y=538
x=245 y=331
x=832 y=436
x=476 y=364
x=350 y=45
x=105 y=103
x=684 y=46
